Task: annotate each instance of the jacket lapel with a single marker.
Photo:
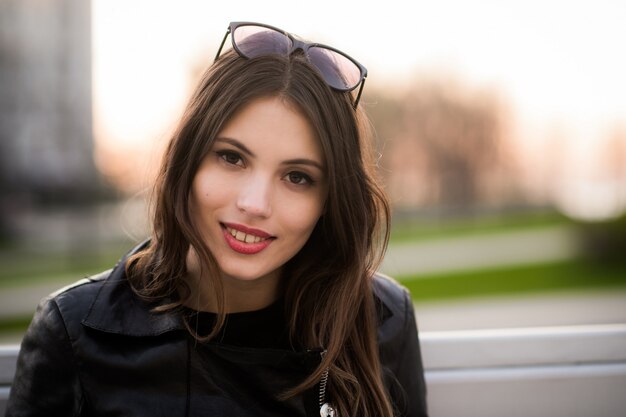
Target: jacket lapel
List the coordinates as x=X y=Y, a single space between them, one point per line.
x=117 y=309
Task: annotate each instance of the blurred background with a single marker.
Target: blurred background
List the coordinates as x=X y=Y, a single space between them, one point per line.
x=501 y=127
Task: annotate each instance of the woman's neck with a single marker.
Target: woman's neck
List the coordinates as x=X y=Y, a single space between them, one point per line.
x=239 y=295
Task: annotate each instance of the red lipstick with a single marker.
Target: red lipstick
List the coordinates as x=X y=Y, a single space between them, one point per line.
x=259 y=239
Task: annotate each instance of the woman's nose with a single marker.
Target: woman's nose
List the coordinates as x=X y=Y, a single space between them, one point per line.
x=255 y=197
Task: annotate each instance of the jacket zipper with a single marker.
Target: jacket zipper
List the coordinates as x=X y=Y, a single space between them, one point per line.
x=326 y=410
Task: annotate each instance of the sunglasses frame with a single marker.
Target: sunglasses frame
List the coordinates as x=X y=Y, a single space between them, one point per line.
x=297 y=45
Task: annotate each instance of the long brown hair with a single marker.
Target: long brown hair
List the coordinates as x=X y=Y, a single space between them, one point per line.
x=328 y=284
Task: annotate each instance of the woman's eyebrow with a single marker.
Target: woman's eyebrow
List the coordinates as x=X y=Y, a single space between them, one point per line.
x=304 y=161
x=236 y=144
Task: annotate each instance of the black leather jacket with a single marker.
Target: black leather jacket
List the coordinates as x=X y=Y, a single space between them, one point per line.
x=95 y=349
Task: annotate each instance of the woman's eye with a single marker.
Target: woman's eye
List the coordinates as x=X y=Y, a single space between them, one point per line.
x=299 y=178
x=230 y=157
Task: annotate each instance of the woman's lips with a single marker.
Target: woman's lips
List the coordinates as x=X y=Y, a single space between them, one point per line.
x=245 y=240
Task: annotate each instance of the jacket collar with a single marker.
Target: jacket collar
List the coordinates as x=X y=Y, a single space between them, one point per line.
x=117 y=309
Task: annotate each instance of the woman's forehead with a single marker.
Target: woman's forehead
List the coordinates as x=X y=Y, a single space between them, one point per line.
x=273 y=124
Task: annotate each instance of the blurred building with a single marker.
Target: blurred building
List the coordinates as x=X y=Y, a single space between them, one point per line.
x=45 y=103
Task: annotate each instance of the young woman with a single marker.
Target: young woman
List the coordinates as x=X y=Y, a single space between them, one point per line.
x=257 y=293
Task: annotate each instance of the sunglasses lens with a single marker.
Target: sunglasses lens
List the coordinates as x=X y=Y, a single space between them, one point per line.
x=253 y=41
x=337 y=69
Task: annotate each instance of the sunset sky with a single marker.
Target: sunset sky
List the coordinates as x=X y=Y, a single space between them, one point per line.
x=559 y=64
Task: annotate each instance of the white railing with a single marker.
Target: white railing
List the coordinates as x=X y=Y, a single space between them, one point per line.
x=548 y=371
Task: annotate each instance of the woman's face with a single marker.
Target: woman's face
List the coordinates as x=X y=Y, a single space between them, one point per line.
x=260 y=190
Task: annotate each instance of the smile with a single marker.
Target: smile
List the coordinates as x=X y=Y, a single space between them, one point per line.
x=245 y=240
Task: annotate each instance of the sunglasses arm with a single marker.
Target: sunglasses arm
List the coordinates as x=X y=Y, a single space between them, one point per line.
x=219 y=51
x=358 y=96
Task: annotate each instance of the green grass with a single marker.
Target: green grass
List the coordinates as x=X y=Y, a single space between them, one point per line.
x=25 y=266
x=569 y=275
x=412 y=230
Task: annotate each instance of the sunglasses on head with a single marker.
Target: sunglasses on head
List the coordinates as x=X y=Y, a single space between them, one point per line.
x=340 y=71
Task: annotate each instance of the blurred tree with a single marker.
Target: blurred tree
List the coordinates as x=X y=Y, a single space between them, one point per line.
x=443 y=145
x=604 y=242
